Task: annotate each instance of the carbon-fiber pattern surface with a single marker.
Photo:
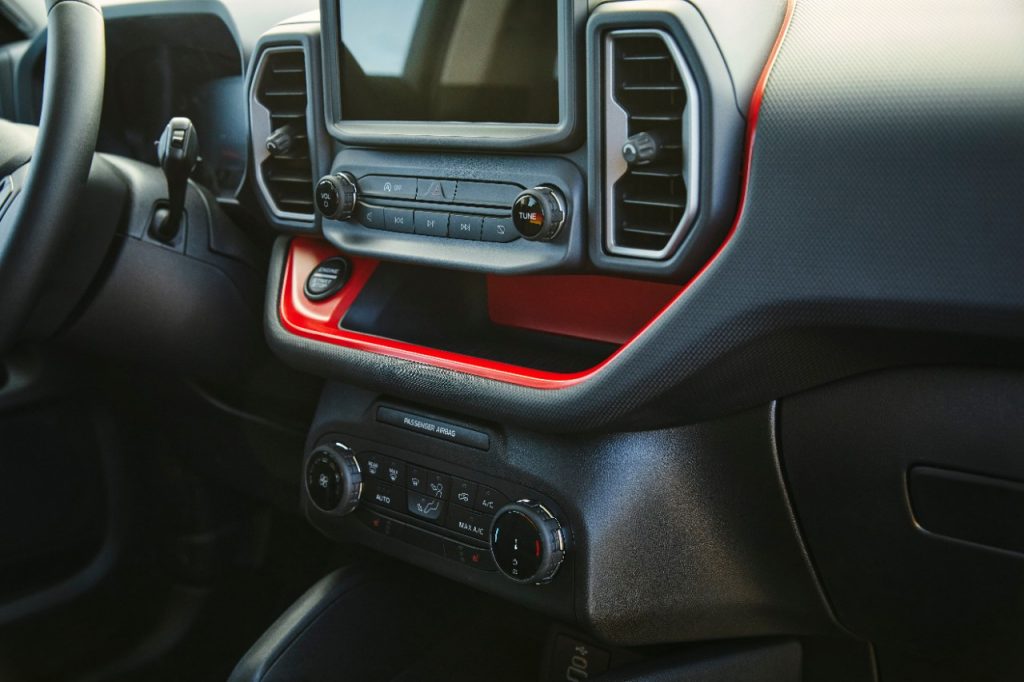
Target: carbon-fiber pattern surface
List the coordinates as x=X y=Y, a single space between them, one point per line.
x=883 y=225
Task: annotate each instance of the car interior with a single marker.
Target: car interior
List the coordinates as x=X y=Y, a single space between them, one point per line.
x=511 y=340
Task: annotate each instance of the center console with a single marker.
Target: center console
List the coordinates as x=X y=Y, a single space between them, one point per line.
x=489 y=211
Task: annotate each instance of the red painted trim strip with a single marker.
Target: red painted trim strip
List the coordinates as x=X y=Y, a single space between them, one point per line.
x=320 y=321
x=599 y=308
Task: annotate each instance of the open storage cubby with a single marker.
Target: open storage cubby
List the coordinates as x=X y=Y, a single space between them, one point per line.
x=540 y=331
x=448 y=310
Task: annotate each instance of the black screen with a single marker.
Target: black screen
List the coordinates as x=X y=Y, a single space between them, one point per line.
x=450 y=60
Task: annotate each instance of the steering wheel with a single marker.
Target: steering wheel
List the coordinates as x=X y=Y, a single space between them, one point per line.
x=41 y=180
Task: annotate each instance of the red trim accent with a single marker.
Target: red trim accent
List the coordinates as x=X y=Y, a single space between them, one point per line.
x=586 y=306
x=320 y=321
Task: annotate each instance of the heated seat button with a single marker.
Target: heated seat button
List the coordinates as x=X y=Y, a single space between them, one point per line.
x=431 y=224
x=470 y=556
x=465 y=227
x=425 y=507
x=389 y=187
x=327 y=279
x=384 y=495
x=398 y=220
x=489 y=500
x=380 y=524
x=464 y=492
x=477 y=526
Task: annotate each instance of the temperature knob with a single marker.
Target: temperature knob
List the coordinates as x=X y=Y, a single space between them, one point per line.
x=334 y=481
x=527 y=541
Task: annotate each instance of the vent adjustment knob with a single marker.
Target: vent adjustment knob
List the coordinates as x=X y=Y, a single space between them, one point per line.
x=335 y=196
x=539 y=213
x=641 y=149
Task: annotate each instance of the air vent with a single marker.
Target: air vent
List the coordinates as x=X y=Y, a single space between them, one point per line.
x=278 y=104
x=649 y=89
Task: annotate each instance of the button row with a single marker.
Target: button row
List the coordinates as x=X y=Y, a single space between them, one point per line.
x=435 y=224
x=456 y=551
x=426 y=494
x=439 y=191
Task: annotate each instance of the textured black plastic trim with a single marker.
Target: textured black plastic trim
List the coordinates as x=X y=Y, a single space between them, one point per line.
x=936 y=608
x=766 y=662
x=186 y=306
x=490 y=136
x=659 y=553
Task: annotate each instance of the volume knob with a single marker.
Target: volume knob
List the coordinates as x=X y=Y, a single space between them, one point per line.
x=333 y=479
x=528 y=542
x=335 y=196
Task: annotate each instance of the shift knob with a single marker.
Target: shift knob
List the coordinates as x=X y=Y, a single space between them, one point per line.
x=178 y=152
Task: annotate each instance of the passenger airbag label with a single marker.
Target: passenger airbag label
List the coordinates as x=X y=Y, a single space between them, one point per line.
x=433 y=427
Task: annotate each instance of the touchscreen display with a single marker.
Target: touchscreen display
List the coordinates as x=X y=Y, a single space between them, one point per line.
x=450 y=60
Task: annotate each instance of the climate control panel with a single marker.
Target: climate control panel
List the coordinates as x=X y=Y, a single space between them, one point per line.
x=408 y=500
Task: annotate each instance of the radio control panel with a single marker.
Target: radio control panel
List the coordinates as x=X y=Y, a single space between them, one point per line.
x=502 y=215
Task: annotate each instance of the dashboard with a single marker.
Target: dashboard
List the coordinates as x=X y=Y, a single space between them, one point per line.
x=667 y=213
x=676 y=320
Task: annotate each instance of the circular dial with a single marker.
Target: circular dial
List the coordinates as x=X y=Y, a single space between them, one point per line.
x=334 y=481
x=527 y=542
x=642 y=149
x=335 y=196
x=539 y=213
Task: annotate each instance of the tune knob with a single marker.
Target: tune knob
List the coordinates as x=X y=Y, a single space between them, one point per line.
x=334 y=480
x=527 y=542
x=539 y=213
x=335 y=196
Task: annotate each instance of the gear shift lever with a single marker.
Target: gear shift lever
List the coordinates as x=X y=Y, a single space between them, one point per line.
x=178 y=151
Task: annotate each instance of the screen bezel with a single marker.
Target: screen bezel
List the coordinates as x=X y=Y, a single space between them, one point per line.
x=571 y=16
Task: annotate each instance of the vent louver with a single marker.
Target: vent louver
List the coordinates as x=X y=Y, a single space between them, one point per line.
x=648 y=89
x=281 y=91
